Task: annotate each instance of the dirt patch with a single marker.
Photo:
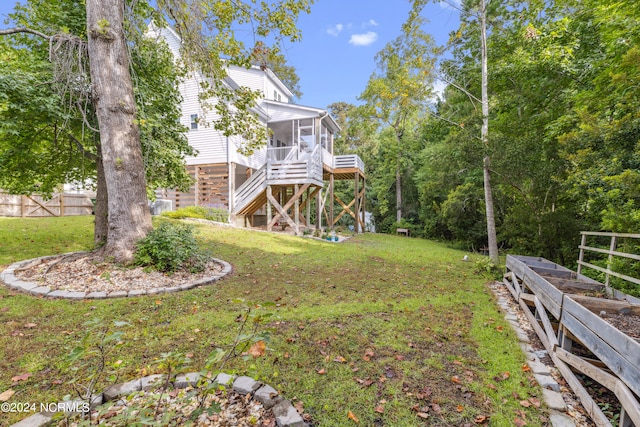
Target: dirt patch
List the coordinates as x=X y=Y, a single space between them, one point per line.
x=627 y=323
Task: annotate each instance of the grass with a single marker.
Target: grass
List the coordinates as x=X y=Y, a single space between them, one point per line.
x=381 y=326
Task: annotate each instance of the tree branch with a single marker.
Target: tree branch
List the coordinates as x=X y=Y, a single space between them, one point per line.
x=24 y=30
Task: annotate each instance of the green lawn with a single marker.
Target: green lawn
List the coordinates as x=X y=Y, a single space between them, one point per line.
x=389 y=328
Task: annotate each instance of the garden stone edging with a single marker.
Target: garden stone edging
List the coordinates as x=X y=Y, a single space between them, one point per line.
x=284 y=412
x=12 y=282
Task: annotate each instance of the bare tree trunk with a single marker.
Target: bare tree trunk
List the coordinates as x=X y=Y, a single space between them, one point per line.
x=488 y=196
x=398 y=194
x=128 y=213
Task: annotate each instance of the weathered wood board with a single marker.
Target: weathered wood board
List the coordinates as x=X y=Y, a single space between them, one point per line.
x=616 y=349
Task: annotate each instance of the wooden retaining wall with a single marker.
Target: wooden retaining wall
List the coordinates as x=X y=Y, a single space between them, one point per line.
x=35 y=206
x=574 y=330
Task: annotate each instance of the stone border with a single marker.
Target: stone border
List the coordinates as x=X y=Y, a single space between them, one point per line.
x=284 y=412
x=551 y=390
x=12 y=282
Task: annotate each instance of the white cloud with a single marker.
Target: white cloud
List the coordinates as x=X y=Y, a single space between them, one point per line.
x=372 y=23
x=335 y=30
x=363 y=39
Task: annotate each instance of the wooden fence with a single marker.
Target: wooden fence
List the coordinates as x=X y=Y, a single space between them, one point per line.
x=35 y=206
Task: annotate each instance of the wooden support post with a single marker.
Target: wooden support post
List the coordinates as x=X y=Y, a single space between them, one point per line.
x=269 y=197
x=363 y=204
x=331 y=219
x=196 y=195
x=308 y=209
x=318 y=210
x=356 y=206
x=61 y=204
x=296 y=209
x=23 y=206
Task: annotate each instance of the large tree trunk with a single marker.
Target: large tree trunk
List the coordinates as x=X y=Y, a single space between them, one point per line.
x=101 y=208
x=128 y=213
x=488 y=196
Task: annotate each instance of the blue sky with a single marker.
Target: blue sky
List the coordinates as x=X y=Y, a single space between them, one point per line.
x=340 y=39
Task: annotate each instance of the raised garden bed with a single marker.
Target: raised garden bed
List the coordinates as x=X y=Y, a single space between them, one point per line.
x=570 y=310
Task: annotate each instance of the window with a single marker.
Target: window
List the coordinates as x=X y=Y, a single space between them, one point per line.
x=194 y=122
x=275 y=95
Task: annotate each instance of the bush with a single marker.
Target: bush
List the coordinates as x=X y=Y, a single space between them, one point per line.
x=171 y=247
x=201 y=212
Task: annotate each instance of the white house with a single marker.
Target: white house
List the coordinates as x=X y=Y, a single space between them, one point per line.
x=278 y=182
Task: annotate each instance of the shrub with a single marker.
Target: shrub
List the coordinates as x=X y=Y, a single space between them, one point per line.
x=171 y=247
x=201 y=212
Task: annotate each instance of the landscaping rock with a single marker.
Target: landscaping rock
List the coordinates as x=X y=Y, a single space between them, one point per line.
x=40 y=290
x=554 y=400
x=558 y=419
x=538 y=367
x=224 y=379
x=151 y=381
x=286 y=415
x=123 y=389
x=97 y=295
x=36 y=420
x=268 y=396
x=547 y=382
x=190 y=379
x=245 y=385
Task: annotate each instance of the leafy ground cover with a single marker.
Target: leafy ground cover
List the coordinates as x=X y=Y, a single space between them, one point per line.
x=377 y=331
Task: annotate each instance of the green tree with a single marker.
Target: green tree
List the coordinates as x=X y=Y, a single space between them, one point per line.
x=399 y=90
x=209 y=43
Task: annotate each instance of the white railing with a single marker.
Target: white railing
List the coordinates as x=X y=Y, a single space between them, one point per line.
x=307 y=166
x=348 y=161
x=279 y=154
x=327 y=158
x=250 y=189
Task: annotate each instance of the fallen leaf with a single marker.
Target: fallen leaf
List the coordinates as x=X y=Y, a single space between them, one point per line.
x=321 y=371
x=525 y=403
x=499 y=328
x=6 y=395
x=299 y=405
x=257 y=349
x=423 y=415
x=525 y=368
x=459 y=408
x=158 y=302
x=480 y=419
x=352 y=416
x=340 y=359
x=30 y=325
x=535 y=401
x=380 y=409
x=436 y=408
x=455 y=379
x=3 y=309
x=399 y=357
x=22 y=377
x=519 y=422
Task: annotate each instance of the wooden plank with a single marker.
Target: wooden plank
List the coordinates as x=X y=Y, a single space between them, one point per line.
x=622 y=392
x=592 y=408
x=554 y=272
x=549 y=295
x=509 y=285
x=546 y=323
x=597 y=305
x=535 y=325
x=575 y=286
x=612 y=350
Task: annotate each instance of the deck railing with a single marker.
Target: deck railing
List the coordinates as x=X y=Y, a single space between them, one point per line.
x=304 y=166
x=348 y=161
x=250 y=189
x=611 y=253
